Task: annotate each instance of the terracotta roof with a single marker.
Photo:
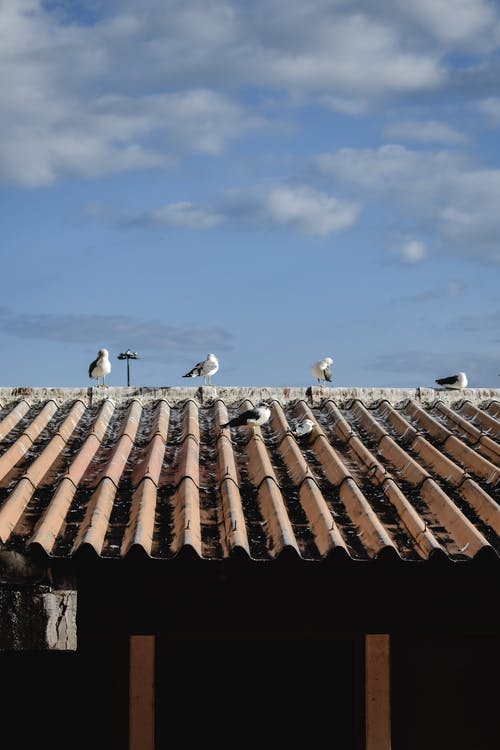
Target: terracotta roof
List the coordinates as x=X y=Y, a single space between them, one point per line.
x=403 y=472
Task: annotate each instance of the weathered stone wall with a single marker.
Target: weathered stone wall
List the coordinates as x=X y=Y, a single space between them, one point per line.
x=36 y=618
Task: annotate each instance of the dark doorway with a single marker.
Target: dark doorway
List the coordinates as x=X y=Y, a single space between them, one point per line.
x=264 y=693
x=74 y=699
x=445 y=692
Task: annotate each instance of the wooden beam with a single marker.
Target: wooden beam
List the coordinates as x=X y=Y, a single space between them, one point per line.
x=377 y=692
x=142 y=692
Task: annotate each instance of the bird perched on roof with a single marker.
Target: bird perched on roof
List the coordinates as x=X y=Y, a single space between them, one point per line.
x=322 y=370
x=455 y=382
x=304 y=428
x=100 y=367
x=253 y=417
x=204 y=369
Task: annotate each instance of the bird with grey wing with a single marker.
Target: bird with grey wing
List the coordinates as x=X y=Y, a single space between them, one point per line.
x=100 y=367
x=453 y=382
x=254 y=417
x=204 y=369
x=303 y=429
x=322 y=370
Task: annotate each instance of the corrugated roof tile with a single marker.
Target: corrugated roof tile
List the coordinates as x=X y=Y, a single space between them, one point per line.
x=151 y=469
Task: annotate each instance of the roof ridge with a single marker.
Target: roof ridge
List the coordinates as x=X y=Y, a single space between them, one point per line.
x=233 y=394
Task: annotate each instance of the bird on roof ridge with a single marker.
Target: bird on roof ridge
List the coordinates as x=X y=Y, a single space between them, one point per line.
x=322 y=371
x=100 y=367
x=453 y=382
x=205 y=369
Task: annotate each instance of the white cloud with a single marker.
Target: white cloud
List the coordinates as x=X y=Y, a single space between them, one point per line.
x=472 y=24
x=424 y=131
x=296 y=207
x=309 y=211
x=441 y=189
x=345 y=54
x=407 y=176
x=344 y=104
x=68 y=103
x=412 y=251
x=491 y=108
x=201 y=120
x=110 y=134
x=92 y=97
x=470 y=219
x=151 y=336
x=184 y=215
x=107 y=87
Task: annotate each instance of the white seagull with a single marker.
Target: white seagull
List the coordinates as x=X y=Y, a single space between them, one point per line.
x=304 y=428
x=254 y=417
x=322 y=370
x=455 y=382
x=204 y=369
x=100 y=367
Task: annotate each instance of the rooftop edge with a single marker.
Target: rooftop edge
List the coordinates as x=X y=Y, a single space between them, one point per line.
x=236 y=394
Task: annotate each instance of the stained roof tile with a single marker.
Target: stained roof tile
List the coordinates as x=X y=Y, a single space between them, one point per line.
x=409 y=472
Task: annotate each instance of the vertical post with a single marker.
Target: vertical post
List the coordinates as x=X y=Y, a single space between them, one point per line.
x=377 y=692
x=128 y=371
x=142 y=692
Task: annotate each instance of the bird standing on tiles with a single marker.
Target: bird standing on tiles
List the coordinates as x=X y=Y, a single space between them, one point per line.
x=454 y=382
x=322 y=370
x=254 y=417
x=204 y=369
x=100 y=367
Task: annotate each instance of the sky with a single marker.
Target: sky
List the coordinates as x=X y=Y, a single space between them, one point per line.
x=273 y=182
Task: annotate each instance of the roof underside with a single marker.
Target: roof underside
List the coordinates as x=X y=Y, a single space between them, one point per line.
x=412 y=473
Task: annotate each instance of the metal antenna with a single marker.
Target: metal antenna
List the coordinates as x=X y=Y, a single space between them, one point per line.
x=128 y=355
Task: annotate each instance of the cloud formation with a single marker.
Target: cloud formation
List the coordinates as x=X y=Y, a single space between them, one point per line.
x=491 y=108
x=296 y=207
x=424 y=131
x=118 y=86
x=412 y=251
x=440 y=188
x=153 y=337
x=182 y=215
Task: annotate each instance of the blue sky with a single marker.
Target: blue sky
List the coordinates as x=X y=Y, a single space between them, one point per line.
x=274 y=182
